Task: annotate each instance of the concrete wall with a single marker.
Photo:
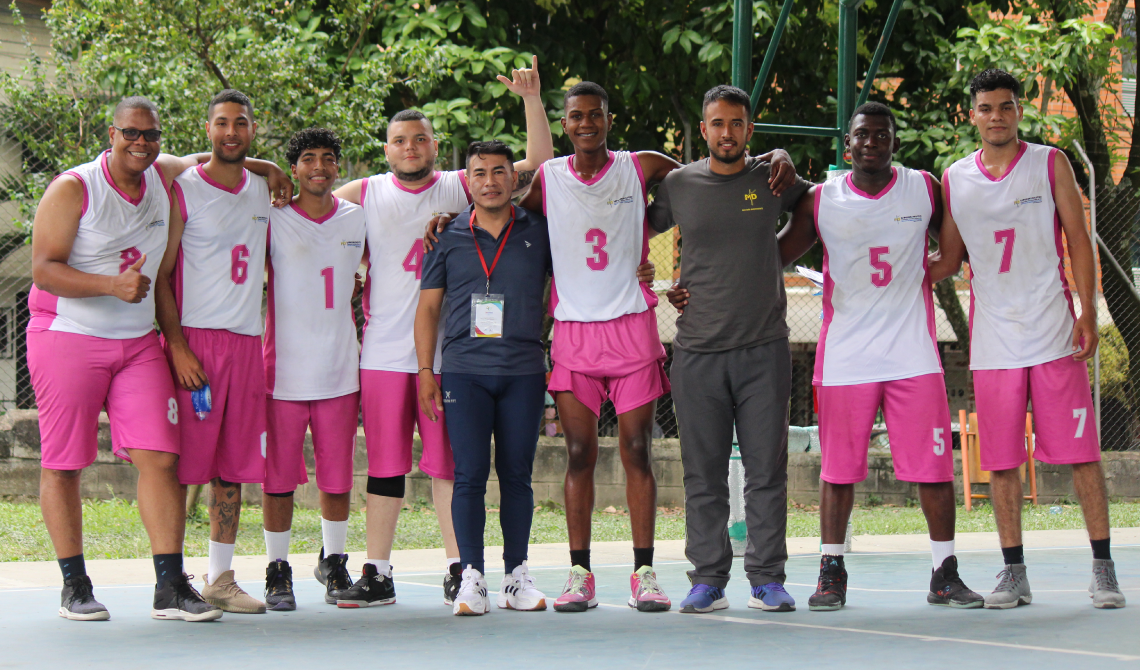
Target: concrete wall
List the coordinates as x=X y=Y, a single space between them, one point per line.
x=111 y=477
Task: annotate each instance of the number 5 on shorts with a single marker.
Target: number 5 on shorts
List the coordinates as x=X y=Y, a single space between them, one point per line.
x=939 y=442
x=1080 y=415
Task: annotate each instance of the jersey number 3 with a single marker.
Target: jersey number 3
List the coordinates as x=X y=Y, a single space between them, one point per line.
x=600 y=259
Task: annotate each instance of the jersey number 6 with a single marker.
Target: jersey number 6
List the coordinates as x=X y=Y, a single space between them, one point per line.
x=239 y=264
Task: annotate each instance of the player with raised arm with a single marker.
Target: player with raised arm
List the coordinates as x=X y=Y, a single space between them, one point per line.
x=1007 y=205
x=99 y=235
x=877 y=346
x=312 y=361
x=605 y=342
x=208 y=297
x=397 y=207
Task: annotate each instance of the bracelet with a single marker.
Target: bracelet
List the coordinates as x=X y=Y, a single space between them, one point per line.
x=422 y=369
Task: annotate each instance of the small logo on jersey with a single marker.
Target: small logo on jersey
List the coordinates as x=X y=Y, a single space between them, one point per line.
x=750 y=198
x=916 y=218
x=356 y=244
x=261 y=219
x=620 y=201
x=1033 y=200
x=157 y=223
x=527 y=244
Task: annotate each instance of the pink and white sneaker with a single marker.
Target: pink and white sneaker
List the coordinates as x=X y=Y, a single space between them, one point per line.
x=579 y=594
x=647 y=596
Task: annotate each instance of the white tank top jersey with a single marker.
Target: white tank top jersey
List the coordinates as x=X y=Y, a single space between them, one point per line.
x=1021 y=309
x=218 y=278
x=878 y=310
x=597 y=237
x=311 y=352
x=396 y=218
x=114 y=232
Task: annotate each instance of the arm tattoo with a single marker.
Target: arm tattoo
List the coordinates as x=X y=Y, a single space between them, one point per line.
x=525 y=178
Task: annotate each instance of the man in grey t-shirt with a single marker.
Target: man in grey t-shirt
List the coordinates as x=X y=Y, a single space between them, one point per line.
x=731 y=363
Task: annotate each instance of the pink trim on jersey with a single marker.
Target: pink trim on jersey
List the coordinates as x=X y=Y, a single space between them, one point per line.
x=365 y=303
x=1008 y=170
x=431 y=182
x=929 y=189
x=83 y=209
x=946 y=184
x=851 y=185
x=646 y=292
x=597 y=177
x=542 y=177
x=363 y=190
x=463 y=183
x=162 y=178
x=1052 y=174
x=326 y=217
x=177 y=189
x=235 y=190
x=553 y=296
x=828 y=291
x=928 y=297
x=107 y=176
x=269 y=349
x=1057 y=232
x=42 y=306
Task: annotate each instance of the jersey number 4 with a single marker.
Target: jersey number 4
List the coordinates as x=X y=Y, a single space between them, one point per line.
x=414 y=261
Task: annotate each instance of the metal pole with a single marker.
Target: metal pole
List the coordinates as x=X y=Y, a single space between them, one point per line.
x=742 y=44
x=770 y=53
x=1096 y=260
x=879 y=51
x=841 y=82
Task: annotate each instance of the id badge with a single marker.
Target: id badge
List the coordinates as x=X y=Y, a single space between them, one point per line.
x=487 y=315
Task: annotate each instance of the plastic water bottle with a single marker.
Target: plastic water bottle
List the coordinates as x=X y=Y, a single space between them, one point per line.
x=202 y=402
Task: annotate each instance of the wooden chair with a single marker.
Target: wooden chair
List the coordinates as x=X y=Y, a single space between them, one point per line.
x=972 y=472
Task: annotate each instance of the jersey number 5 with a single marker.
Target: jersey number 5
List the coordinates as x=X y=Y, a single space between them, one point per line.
x=239 y=264
x=885 y=272
x=600 y=259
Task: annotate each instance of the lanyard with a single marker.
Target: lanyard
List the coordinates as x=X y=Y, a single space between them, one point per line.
x=502 y=243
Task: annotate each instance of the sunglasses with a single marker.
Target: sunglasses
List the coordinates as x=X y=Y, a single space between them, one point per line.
x=132 y=134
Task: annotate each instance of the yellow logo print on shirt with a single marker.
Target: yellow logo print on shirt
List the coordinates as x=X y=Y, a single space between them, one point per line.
x=750 y=198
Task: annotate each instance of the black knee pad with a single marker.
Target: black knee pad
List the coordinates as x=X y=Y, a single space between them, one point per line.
x=389 y=487
x=279 y=495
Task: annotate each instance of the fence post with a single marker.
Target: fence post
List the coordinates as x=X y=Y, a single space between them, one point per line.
x=1096 y=260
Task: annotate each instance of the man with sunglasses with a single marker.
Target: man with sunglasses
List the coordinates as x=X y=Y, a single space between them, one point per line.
x=100 y=231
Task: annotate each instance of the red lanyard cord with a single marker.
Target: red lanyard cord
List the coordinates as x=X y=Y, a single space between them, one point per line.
x=502 y=244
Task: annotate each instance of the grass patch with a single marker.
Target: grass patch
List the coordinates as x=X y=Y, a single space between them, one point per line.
x=112 y=528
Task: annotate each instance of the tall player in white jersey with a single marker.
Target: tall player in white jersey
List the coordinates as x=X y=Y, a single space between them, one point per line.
x=877 y=346
x=99 y=233
x=1006 y=207
x=209 y=307
x=312 y=362
x=397 y=207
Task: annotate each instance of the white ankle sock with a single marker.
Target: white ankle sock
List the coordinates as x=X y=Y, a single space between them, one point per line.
x=334 y=534
x=831 y=549
x=277 y=545
x=221 y=559
x=382 y=566
x=940 y=551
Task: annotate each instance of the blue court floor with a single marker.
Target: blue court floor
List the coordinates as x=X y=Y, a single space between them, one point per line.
x=886 y=624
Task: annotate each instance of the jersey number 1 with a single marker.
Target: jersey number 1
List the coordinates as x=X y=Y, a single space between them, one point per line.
x=327 y=273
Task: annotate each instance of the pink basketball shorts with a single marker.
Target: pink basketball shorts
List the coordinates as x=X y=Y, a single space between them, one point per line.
x=333 y=424
x=230 y=442
x=1064 y=419
x=628 y=392
x=918 y=427
x=391 y=406
x=75 y=376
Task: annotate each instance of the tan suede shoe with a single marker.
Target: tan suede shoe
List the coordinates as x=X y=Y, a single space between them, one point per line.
x=225 y=594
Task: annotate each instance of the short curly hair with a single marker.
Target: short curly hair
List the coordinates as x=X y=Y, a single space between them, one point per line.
x=994 y=79
x=311 y=138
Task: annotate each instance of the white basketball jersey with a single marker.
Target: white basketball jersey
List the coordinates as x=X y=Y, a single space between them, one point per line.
x=114 y=232
x=221 y=264
x=1021 y=310
x=311 y=352
x=597 y=237
x=396 y=219
x=878 y=310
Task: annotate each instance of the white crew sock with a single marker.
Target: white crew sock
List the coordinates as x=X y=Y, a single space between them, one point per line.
x=221 y=559
x=382 y=566
x=940 y=551
x=334 y=534
x=277 y=545
x=831 y=549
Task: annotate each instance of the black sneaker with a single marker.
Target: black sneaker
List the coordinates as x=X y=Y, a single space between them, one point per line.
x=370 y=590
x=77 y=602
x=831 y=592
x=332 y=571
x=279 y=587
x=179 y=600
x=947 y=588
x=451 y=583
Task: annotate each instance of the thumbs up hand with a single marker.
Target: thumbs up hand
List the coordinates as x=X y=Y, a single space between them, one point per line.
x=131 y=285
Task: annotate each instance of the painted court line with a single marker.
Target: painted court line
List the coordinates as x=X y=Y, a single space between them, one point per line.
x=912 y=636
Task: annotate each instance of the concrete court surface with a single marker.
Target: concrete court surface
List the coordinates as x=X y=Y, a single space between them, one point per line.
x=886 y=624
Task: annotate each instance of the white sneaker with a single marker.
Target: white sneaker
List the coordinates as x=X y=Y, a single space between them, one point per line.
x=472 y=598
x=517 y=592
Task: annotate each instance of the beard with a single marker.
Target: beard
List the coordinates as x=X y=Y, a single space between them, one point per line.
x=725 y=157
x=221 y=154
x=417 y=175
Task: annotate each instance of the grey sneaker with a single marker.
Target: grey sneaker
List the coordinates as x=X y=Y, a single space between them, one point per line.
x=77 y=602
x=1105 y=590
x=1012 y=589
